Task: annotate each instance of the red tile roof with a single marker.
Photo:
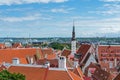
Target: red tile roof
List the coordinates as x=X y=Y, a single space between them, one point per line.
x=6 y=55
x=100 y=74
x=48 y=52
x=83 y=50
x=107 y=54
x=38 y=73
x=66 y=53
x=117 y=77
x=53 y=62
x=79 y=72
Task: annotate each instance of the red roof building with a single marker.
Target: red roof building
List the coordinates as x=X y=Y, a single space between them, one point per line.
x=109 y=56
x=42 y=73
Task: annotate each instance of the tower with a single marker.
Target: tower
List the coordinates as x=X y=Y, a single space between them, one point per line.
x=73 y=41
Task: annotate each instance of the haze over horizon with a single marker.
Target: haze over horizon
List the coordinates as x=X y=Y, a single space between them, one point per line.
x=54 y=18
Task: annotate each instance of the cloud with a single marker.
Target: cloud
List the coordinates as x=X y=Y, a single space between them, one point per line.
x=110 y=0
x=24 y=18
x=10 y=2
x=108 y=9
x=61 y=10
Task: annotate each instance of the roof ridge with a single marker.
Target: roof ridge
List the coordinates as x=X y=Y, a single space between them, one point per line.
x=69 y=75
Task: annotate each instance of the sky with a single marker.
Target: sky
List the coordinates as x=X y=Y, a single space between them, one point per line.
x=54 y=18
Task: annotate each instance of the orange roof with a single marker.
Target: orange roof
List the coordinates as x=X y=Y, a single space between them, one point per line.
x=38 y=73
x=48 y=53
x=79 y=72
x=108 y=53
x=66 y=53
x=74 y=76
x=6 y=55
x=83 y=50
x=53 y=62
x=31 y=73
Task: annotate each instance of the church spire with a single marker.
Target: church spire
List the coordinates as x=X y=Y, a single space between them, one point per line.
x=73 y=32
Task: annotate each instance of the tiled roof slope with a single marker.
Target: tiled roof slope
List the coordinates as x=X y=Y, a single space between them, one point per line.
x=53 y=62
x=66 y=53
x=30 y=73
x=38 y=73
x=100 y=74
x=83 y=50
x=78 y=72
x=117 y=77
x=6 y=55
x=48 y=52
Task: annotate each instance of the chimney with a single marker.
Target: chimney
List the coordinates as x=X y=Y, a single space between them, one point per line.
x=62 y=62
x=47 y=63
x=31 y=60
x=15 y=61
x=115 y=62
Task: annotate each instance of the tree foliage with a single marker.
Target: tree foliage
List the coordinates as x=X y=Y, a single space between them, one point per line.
x=5 y=75
x=56 y=45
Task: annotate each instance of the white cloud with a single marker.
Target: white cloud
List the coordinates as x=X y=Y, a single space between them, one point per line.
x=24 y=18
x=110 y=0
x=61 y=10
x=108 y=9
x=10 y=2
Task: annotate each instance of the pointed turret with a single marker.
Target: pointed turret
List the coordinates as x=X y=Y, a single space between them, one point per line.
x=73 y=32
x=73 y=41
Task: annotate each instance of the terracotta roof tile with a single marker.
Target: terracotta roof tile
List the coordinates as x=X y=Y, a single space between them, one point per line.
x=100 y=74
x=31 y=73
x=53 y=62
x=83 y=50
x=66 y=53
x=37 y=73
x=79 y=72
x=74 y=76
x=6 y=55
x=107 y=54
x=117 y=77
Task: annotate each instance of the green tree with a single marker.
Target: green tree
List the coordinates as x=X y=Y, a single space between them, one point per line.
x=56 y=45
x=5 y=75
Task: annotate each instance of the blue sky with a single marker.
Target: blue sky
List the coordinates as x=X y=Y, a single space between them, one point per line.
x=54 y=18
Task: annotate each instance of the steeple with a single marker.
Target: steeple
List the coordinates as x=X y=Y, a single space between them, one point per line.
x=73 y=32
x=73 y=41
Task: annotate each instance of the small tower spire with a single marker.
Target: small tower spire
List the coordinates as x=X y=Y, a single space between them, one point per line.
x=73 y=32
x=73 y=41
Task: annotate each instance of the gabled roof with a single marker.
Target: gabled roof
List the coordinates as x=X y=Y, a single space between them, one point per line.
x=83 y=50
x=92 y=67
x=79 y=72
x=6 y=55
x=66 y=53
x=48 y=53
x=17 y=45
x=42 y=73
x=100 y=74
x=53 y=62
